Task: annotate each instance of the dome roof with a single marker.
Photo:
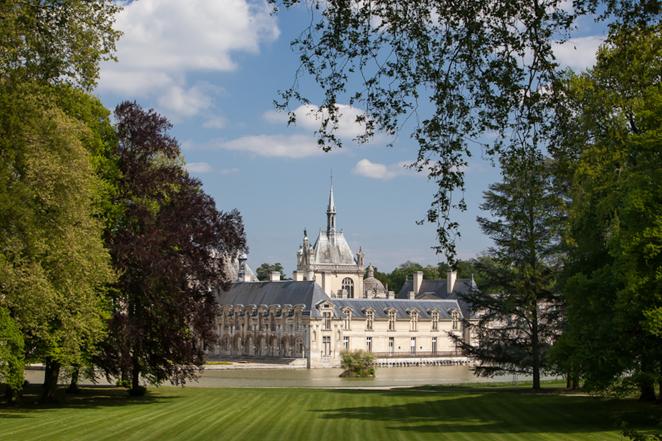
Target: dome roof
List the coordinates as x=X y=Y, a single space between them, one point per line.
x=372 y=284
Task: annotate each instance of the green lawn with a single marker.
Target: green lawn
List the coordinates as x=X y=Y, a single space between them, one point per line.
x=444 y=413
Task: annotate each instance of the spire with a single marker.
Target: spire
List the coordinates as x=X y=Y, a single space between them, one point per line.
x=331 y=212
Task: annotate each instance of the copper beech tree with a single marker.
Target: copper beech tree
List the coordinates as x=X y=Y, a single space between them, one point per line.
x=171 y=250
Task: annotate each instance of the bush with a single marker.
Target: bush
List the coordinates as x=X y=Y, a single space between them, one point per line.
x=357 y=364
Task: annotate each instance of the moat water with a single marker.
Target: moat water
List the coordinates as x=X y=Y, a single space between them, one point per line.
x=329 y=378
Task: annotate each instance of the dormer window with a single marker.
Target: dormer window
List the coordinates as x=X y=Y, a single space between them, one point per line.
x=413 y=321
x=327 y=320
x=391 y=320
x=348 y=319
x=456 y=320
x=370 y=318
x=435 y=320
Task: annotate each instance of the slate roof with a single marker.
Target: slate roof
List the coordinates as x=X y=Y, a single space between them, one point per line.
x=289 y=292
x=438 y=289
x=402 y=307
x=332 y=249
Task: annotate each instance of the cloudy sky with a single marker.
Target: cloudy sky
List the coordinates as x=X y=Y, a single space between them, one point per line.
x=214 y=67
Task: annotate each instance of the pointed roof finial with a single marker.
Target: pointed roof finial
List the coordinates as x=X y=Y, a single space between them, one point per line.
x=332 y=204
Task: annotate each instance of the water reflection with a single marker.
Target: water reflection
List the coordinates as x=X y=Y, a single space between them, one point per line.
x=328 y=378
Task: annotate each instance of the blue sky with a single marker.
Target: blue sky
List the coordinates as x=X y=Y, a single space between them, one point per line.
x=214 y=67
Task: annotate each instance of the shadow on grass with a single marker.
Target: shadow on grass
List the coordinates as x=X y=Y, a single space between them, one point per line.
x=88 y=397
x=455 y=409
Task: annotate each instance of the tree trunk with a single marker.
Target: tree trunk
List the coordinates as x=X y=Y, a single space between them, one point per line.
x=73 y=385
x=135 y=376
x=51 y=375
x=647 y=391
x=568 y=380
x=575 y=381
x=535 y=347
x=659 y=385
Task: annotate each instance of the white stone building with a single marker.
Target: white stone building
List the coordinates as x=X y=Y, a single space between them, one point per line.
x=330 y=307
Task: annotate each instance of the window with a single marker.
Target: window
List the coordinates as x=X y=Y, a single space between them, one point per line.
x=455 y=317
x=391 y=345
x=412 y=346
x=327 y=321
x=391 y=320
x=434 y=345
x=326 y=345
x=370 y=317
x=435 y=320
x=368 y=344
x=348 y=319
x=413 y=323
x=272 y=320
x=345 y=343
x=348 y=287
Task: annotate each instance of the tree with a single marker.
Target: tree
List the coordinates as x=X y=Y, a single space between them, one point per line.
x=518 y=304
x=170 y=248
x=263 y=272
x=53 y=264
x=56 y=41
x=11 y=354
x=610 y=137
x=444 y=72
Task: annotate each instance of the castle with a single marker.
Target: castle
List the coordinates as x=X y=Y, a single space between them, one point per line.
x=330 y=306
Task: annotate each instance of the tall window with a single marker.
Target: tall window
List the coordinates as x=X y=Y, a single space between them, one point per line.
x=435 y=320
x=391 y=345
x=368 y=344
x=412 y=346
x=391 y=320
x=370 y=318
x=414 y=321
x=327 y=321
x=326 y=345
x=434 y=345
x=348 y=286
x=345 y=343
x=348 y=319
x=456 y=318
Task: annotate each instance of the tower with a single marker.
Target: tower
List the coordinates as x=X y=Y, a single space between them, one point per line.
x=331 y=214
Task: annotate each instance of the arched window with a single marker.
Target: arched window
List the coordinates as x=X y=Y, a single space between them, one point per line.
x=348 y=286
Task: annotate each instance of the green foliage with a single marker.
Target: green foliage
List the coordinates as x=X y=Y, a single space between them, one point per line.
x=611 y=139
x=357 y=363
x=53 y=264
x=446 y=73
x=11 y=352
x=518 y=304
x=263 y=272
x=56 y=41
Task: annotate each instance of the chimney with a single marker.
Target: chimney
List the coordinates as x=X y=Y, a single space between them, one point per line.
x=450 y=280
x=418 y=281
x=412 y=295
x=391 y=294
x=297 y=275
x=310 y=275
x=275 y=276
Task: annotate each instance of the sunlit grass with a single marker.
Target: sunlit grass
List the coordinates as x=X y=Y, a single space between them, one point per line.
x=439 y=413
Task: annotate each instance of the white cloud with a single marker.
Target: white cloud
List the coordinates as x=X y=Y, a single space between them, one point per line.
x=376 y=170
x=185 y=102
x=166 y=39
x=215 y=122
x=198 y=167
x=284 y=146
x=229 y=171
x=309 y=116
x=578 y=53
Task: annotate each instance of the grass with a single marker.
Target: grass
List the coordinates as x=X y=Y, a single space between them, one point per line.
x=434 y=413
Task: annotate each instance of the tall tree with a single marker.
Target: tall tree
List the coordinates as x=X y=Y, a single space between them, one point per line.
x=53 y=264
x=170 y=247
x=609 y=133
x=518 y=304
x=445 y=72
